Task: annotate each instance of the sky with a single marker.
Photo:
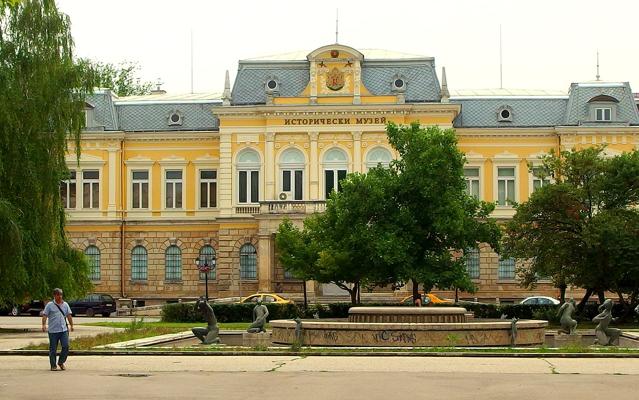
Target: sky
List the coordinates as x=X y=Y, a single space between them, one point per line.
x=545 y=44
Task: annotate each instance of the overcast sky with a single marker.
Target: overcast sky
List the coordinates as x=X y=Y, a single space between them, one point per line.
x=546 y=44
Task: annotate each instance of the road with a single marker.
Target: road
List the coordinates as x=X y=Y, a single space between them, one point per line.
x=280 y=377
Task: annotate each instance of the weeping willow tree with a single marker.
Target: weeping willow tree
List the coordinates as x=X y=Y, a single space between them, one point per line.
x=42 y=93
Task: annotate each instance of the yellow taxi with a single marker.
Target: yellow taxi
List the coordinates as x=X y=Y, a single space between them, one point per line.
x=432 y=297
x=266 y=298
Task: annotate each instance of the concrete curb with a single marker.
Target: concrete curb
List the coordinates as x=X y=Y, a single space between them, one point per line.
x=319 y=353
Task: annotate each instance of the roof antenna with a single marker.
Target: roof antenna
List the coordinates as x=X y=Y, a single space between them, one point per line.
x=191 y=61
x=501 y=83
x=336 y=25
x=597 y=64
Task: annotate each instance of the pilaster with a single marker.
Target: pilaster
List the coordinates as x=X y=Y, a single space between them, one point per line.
x=314 y=166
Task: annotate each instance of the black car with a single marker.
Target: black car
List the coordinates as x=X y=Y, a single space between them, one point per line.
x=34 y=307
x=93 y=304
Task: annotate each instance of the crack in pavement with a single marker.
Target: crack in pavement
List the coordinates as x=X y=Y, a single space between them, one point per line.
x=280 y=364
x=553 y=368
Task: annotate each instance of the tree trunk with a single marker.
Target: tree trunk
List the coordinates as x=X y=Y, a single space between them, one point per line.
x=601 y=296
x=305 y=297
x=584 y=300
x=415 y=288
x=562 y=293
x=359 y=294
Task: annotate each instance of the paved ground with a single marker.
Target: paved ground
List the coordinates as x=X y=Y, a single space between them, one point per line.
x=288 y=377
x=28 y=330
x=184 y=377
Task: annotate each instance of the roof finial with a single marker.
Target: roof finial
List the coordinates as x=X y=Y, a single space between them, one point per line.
x=597 y=64
x=501 y=63
x=336 y=25
x=226 y=95
x=445 y=92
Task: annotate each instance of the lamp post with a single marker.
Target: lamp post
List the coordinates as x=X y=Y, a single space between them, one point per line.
x=204 y=267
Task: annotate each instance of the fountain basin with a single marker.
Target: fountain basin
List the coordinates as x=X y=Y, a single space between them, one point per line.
x=392 y=327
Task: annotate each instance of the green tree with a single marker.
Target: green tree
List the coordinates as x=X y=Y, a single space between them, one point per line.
x=121 y=78
x=581 y=230
x=444 y=219
x=42 y=93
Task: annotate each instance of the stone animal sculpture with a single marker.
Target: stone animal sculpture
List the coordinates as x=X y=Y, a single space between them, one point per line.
x=604 y=335
x=260 y=313
x=513 y=331
x=210 y=334
x=568 y=325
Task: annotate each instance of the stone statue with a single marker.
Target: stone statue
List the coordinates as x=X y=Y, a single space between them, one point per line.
x=210 y=334
x=260 y=313
x=568 y=325
x=513 y=331
x=637 y=309
x=298 y=330
x=604 y=335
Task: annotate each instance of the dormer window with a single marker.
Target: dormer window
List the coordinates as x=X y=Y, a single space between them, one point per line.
x=603 y=114
x=399 y=84
x=505 y=114
x=175 y=118
x=603 y=108
x=271 y=86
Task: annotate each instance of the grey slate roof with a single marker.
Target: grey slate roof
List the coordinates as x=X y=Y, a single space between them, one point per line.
x=154 y=117
x=249 y=85
x=581 y=93
x=421 y=80
x=526 y=112
x=147 y=113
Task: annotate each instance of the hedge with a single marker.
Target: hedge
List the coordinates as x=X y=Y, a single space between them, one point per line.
x=185 y=312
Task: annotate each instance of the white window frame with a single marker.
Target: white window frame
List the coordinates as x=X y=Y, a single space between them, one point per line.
x=173 y=164
x=532 y=178
x=505 y=160
x=603 y=114
x=91 y=182
x=334 y=166
x=208 y=182
x=139 y=164
x=292 y=167
x=140 y=182
x=174 y=182
x=248 y=167
x=372 y=164
x=68 y=183
x=469 y=179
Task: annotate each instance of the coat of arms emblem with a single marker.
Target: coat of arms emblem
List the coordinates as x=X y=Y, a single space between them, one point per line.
x=335 y=79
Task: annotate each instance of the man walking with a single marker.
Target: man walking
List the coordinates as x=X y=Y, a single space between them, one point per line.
x=57 y=312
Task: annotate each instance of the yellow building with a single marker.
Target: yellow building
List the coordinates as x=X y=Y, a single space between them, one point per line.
x=165 y=179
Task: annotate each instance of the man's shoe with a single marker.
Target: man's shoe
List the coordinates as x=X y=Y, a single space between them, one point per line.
x=54 y=368
x=62 y=367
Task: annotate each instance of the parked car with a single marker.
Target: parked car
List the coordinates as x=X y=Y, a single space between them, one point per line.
x=434 y=299
x=10 y=309
x=540 y=300
x=266 y=298
x=94 y=304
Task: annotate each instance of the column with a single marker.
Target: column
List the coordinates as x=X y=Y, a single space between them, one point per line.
x=269 y=167
x=113 y=176
x=357 y=151
x=225 y=175
x=264 y=263
x=314 y=167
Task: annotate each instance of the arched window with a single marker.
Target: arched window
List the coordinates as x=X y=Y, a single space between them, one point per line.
x=506 y=269
x=292 y=174
x=335 y=168
x=248 y=262
x=139 y=263
x=173 y=264
x=93 y=256
x=207 y=253
x=472 y=263
x=377 y=156
x=248 y=176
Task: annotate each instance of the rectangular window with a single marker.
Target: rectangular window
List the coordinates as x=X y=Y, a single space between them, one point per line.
x=506 y=269
x=140 y=193
x=292 y=183
x=91 y=189
x=332 y=180
x=173 y=194
x=505 y=186
x=67 y=191
x=472 y=181
x=538 y=181
x=603 y=114
x=472 y=263
x=208 y=189
x=249 y=187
